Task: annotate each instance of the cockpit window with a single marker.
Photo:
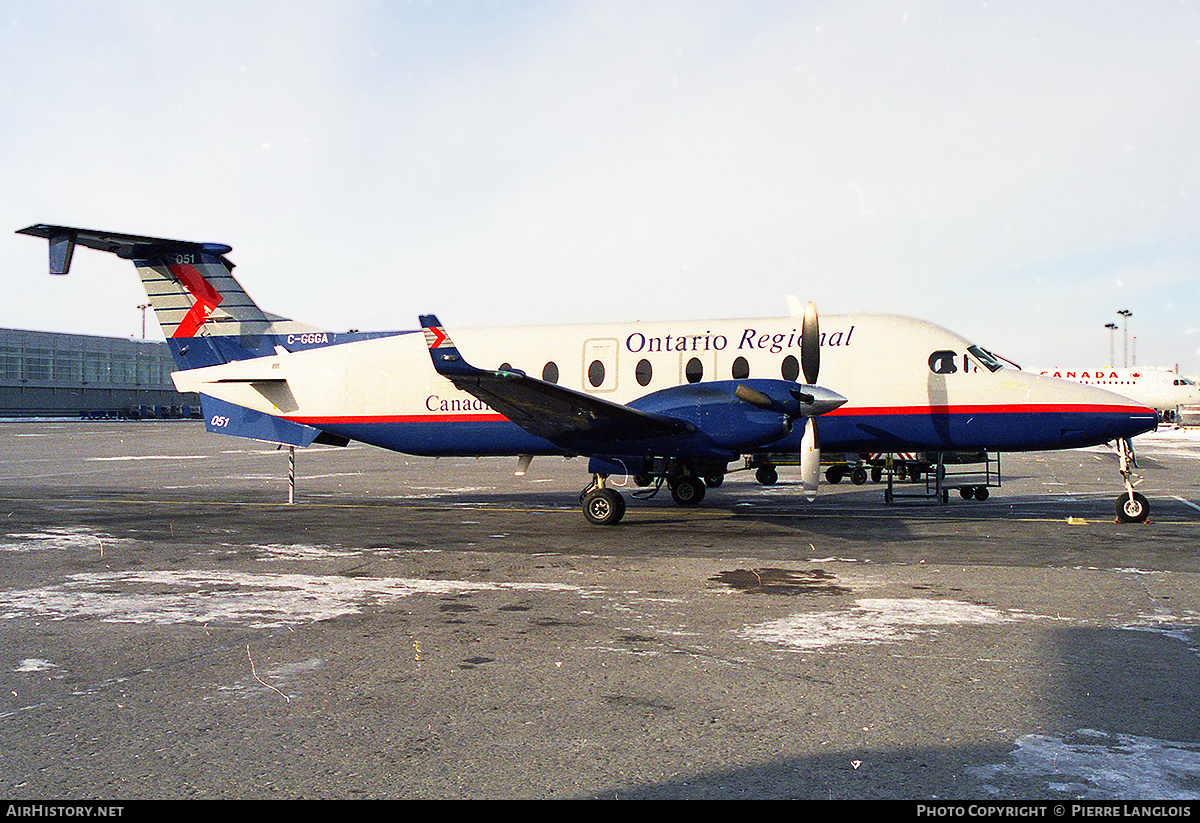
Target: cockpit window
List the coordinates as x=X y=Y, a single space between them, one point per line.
x=986 y=358
x=942 y=362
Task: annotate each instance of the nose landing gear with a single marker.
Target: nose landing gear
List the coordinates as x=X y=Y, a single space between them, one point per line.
x=1132 y=507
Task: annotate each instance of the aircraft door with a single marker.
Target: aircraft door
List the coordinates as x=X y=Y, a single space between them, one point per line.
x=600 y=365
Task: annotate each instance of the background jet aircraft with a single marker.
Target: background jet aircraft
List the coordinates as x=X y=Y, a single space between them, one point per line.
x=670 y=402
x=1160 y=389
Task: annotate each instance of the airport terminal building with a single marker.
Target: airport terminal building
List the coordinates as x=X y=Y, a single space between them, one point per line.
x=46 y=374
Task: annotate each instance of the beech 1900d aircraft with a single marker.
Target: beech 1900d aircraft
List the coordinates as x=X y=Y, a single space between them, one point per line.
x=668 y=403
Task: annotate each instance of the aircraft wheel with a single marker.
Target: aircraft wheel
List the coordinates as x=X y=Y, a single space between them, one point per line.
x=687 y=491
x=714 y=480
x=766 y=475
x=1134 y=510
x=603 y=507
x=858 y=476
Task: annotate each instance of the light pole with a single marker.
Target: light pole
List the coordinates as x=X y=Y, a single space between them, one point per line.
x=1112 y=343
x=143 y=307
x=1126 y=313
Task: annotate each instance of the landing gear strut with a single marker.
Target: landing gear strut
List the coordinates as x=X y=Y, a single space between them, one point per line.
x=1132 y=507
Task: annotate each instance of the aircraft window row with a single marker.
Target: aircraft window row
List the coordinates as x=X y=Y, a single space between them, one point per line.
x=693 y=371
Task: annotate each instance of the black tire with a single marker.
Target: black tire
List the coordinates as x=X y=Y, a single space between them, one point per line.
x=687 y=491
x=603 y=507
x=766 y=475
x=834 y=474
x=967 y=492
x=714 y=480
x=1132 y=509
x=876 y=474
x=858 y=476
x=981 y=493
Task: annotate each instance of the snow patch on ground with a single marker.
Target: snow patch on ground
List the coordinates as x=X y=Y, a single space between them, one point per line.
x=875 y=621
x=1095 y=765
x=260 y=600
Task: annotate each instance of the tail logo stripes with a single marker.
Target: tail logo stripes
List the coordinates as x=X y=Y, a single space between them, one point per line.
x=207 y=299
x=435 y=336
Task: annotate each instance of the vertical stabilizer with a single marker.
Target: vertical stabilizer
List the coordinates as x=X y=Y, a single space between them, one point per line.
x=204 y=312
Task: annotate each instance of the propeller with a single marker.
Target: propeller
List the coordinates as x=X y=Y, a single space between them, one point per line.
x=812 y=400
x=810 y=362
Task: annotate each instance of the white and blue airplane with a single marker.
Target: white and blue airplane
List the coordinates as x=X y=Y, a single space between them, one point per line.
x=671 y=403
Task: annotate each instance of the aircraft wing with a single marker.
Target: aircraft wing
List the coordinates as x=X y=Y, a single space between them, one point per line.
x=559 y=414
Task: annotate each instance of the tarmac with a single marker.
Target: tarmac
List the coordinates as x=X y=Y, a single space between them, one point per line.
x=173 y=627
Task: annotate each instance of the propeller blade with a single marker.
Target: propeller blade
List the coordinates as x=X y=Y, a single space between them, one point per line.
x=754 y=398
x=810 y=458
x=810 y=344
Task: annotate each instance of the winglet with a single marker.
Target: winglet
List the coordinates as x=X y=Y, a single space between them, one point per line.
x=445 y=355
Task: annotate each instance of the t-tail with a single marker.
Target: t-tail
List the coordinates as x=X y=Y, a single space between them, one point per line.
x=204 y=313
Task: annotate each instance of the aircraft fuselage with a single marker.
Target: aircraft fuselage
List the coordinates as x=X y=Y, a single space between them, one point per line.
x=911 y=385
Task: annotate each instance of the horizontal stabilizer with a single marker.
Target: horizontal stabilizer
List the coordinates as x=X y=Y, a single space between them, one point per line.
x=222 y=417
x=63 y=240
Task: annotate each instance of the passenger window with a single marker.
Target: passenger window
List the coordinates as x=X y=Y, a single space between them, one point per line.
x=596 y=374
x=644 y=372
x=694 y=371
x=790 y=368
x=741 y=369
x=550 y=372
x=942 y=362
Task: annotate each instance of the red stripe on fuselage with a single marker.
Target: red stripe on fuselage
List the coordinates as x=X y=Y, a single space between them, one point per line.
x=1072 y=408
x=348 y=419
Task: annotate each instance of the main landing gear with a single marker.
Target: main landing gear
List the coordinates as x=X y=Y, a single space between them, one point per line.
x=605 y=506
x=1132 y=507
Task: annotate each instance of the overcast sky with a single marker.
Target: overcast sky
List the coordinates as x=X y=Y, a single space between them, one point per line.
x=1014 y=171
